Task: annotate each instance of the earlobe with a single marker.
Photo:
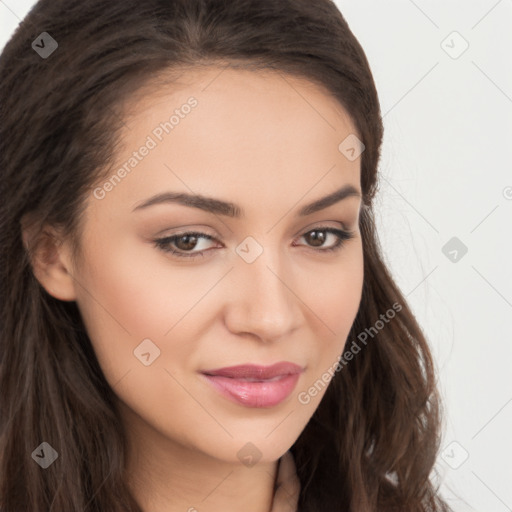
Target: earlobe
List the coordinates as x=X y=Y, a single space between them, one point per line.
x=51 y=264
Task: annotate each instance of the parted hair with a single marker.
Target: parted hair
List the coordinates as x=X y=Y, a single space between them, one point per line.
x=372 y=443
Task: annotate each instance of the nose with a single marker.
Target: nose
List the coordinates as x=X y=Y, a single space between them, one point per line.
x=263 y=300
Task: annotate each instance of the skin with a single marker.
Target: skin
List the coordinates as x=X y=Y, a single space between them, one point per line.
x=268 y=142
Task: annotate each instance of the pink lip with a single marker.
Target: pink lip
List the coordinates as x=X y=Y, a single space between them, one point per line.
x=262 y=393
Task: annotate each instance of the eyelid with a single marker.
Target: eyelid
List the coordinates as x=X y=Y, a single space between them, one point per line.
x=342 y=235
x=206 y=230
x=322 y=224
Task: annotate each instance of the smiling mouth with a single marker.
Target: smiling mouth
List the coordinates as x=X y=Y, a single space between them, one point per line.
x=255 y=386
x=257 y=372
x=250 y=379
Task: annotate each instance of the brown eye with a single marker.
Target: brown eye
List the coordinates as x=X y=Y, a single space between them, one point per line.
x=316 y=238
x=184 y=243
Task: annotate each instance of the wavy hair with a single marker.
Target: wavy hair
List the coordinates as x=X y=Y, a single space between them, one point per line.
x=372 y=443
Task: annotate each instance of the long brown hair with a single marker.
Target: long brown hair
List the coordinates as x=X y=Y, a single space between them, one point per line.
x=372 y=443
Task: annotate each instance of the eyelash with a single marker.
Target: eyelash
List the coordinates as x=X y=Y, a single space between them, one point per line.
x=164 y=243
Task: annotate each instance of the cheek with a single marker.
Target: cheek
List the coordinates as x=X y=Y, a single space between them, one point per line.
x=334 y=291
x=131 y=295
x=333 y=295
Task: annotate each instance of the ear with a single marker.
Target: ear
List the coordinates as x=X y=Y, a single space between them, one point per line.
x=51 y=263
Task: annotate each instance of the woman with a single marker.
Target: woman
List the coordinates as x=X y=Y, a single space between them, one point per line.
x=196 y=313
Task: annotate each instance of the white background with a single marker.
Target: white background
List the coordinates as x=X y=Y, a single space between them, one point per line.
x=445 y=172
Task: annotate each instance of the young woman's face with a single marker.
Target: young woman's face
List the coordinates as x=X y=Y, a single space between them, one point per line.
x=261 y=290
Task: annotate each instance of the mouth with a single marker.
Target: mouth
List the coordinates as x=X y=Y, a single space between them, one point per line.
x=255 y=385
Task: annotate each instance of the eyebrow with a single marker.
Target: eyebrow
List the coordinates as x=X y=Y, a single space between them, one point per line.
x=217 y=206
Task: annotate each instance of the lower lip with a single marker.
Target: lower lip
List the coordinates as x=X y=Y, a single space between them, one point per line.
x=255 y=394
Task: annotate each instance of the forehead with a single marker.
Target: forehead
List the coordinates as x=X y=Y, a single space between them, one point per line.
x=227 y=89
x=249 y=136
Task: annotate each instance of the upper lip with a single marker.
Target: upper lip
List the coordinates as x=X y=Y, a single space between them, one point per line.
x=253 y=371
